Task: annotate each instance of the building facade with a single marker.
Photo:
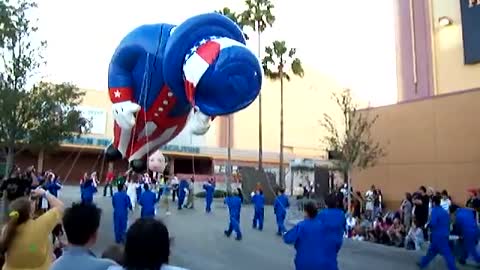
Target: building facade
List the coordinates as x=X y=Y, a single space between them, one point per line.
x=431 y=135
x=437 y=47
x=305 y=102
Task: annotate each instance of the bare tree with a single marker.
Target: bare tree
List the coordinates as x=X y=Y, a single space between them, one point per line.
x=352 y=144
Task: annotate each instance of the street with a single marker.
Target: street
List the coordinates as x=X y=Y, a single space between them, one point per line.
x=199 y=242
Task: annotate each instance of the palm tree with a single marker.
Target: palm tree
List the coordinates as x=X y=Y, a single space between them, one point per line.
x=236 y=18
x=277 y=63
x=258 y=16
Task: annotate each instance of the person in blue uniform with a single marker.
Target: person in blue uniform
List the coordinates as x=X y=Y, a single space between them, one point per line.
x=309 y=243
x=467 y=229
x=280 y=207
x=234 y=204
x=148 y=199
x=209 y=188
x=121 y=204
x=439 y=235
x=87 y=189
x=332 y=220
x=258 y=201
x=53 y=185
x=182 y=192
x=139 y=188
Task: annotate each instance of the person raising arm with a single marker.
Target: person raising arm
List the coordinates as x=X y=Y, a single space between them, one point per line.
x=31 y=235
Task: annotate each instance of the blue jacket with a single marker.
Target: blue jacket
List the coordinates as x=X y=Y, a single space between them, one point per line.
x=258 y=201
x=281 y=204
x=53 y=187
x=334 y=221
x=121 y=204
x=234 y=204
x=333 y=227
x=182 y=188
x=465 y=221
x=209 y=190
x=87 y=190
x=147 y=201
x=439 y=223
x=312 y=250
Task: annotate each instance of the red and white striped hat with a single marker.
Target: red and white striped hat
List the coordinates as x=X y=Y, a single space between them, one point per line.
x=200 y=59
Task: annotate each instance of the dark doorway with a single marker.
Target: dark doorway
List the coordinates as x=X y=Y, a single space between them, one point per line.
x=322 y=182
x=197 y=165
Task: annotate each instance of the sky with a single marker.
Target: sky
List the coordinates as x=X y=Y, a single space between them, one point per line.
x=350 y=40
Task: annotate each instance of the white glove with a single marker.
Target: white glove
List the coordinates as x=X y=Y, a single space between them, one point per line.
x=124 y=113
x=199 y=122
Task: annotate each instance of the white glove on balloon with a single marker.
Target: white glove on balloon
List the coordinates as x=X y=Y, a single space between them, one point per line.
x=124 y=114
x=199 y=123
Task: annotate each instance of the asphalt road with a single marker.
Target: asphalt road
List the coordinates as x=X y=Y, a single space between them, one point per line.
x=199 y=243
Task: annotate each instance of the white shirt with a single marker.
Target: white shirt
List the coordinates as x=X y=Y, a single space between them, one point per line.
x=174 y=181
x=131 y=188
x=369 y=195
x=298 y=191
x=351 y=222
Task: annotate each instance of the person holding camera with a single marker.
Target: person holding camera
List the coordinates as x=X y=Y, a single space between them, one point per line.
x=32 y=236
x=17 y=185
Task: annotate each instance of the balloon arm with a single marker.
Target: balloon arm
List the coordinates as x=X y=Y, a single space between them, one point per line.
x=120 y=94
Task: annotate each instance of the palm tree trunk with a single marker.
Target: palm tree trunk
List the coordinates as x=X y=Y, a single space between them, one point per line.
x=260 y=134
x=228 y=180
x=281 y=172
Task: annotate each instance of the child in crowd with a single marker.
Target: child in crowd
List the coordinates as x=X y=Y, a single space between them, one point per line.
x=351 y=223
x=414 y=239
x=379 y=232
x=396 y=233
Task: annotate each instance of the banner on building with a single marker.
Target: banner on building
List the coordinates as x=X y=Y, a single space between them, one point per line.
x=471 y=30
x=97 y=118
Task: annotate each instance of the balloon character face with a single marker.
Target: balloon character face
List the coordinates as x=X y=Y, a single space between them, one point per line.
x=160 y=73
x=156 y=162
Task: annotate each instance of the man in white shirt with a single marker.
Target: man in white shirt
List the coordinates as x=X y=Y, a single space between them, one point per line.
x=174 y=182
x=370 y=199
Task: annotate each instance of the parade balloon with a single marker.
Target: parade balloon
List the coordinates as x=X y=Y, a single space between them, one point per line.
x=156 y=162
x=159 y=73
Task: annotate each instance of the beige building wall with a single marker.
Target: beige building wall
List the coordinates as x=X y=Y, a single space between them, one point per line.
x=100 y=100
x=305 y=101
x=433 y=142
x=451 y=74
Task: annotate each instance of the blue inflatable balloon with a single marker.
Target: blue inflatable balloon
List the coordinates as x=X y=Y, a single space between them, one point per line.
x=160 y=72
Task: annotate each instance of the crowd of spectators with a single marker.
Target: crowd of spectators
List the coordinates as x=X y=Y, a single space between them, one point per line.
x=406 y=227
x=60 y=238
